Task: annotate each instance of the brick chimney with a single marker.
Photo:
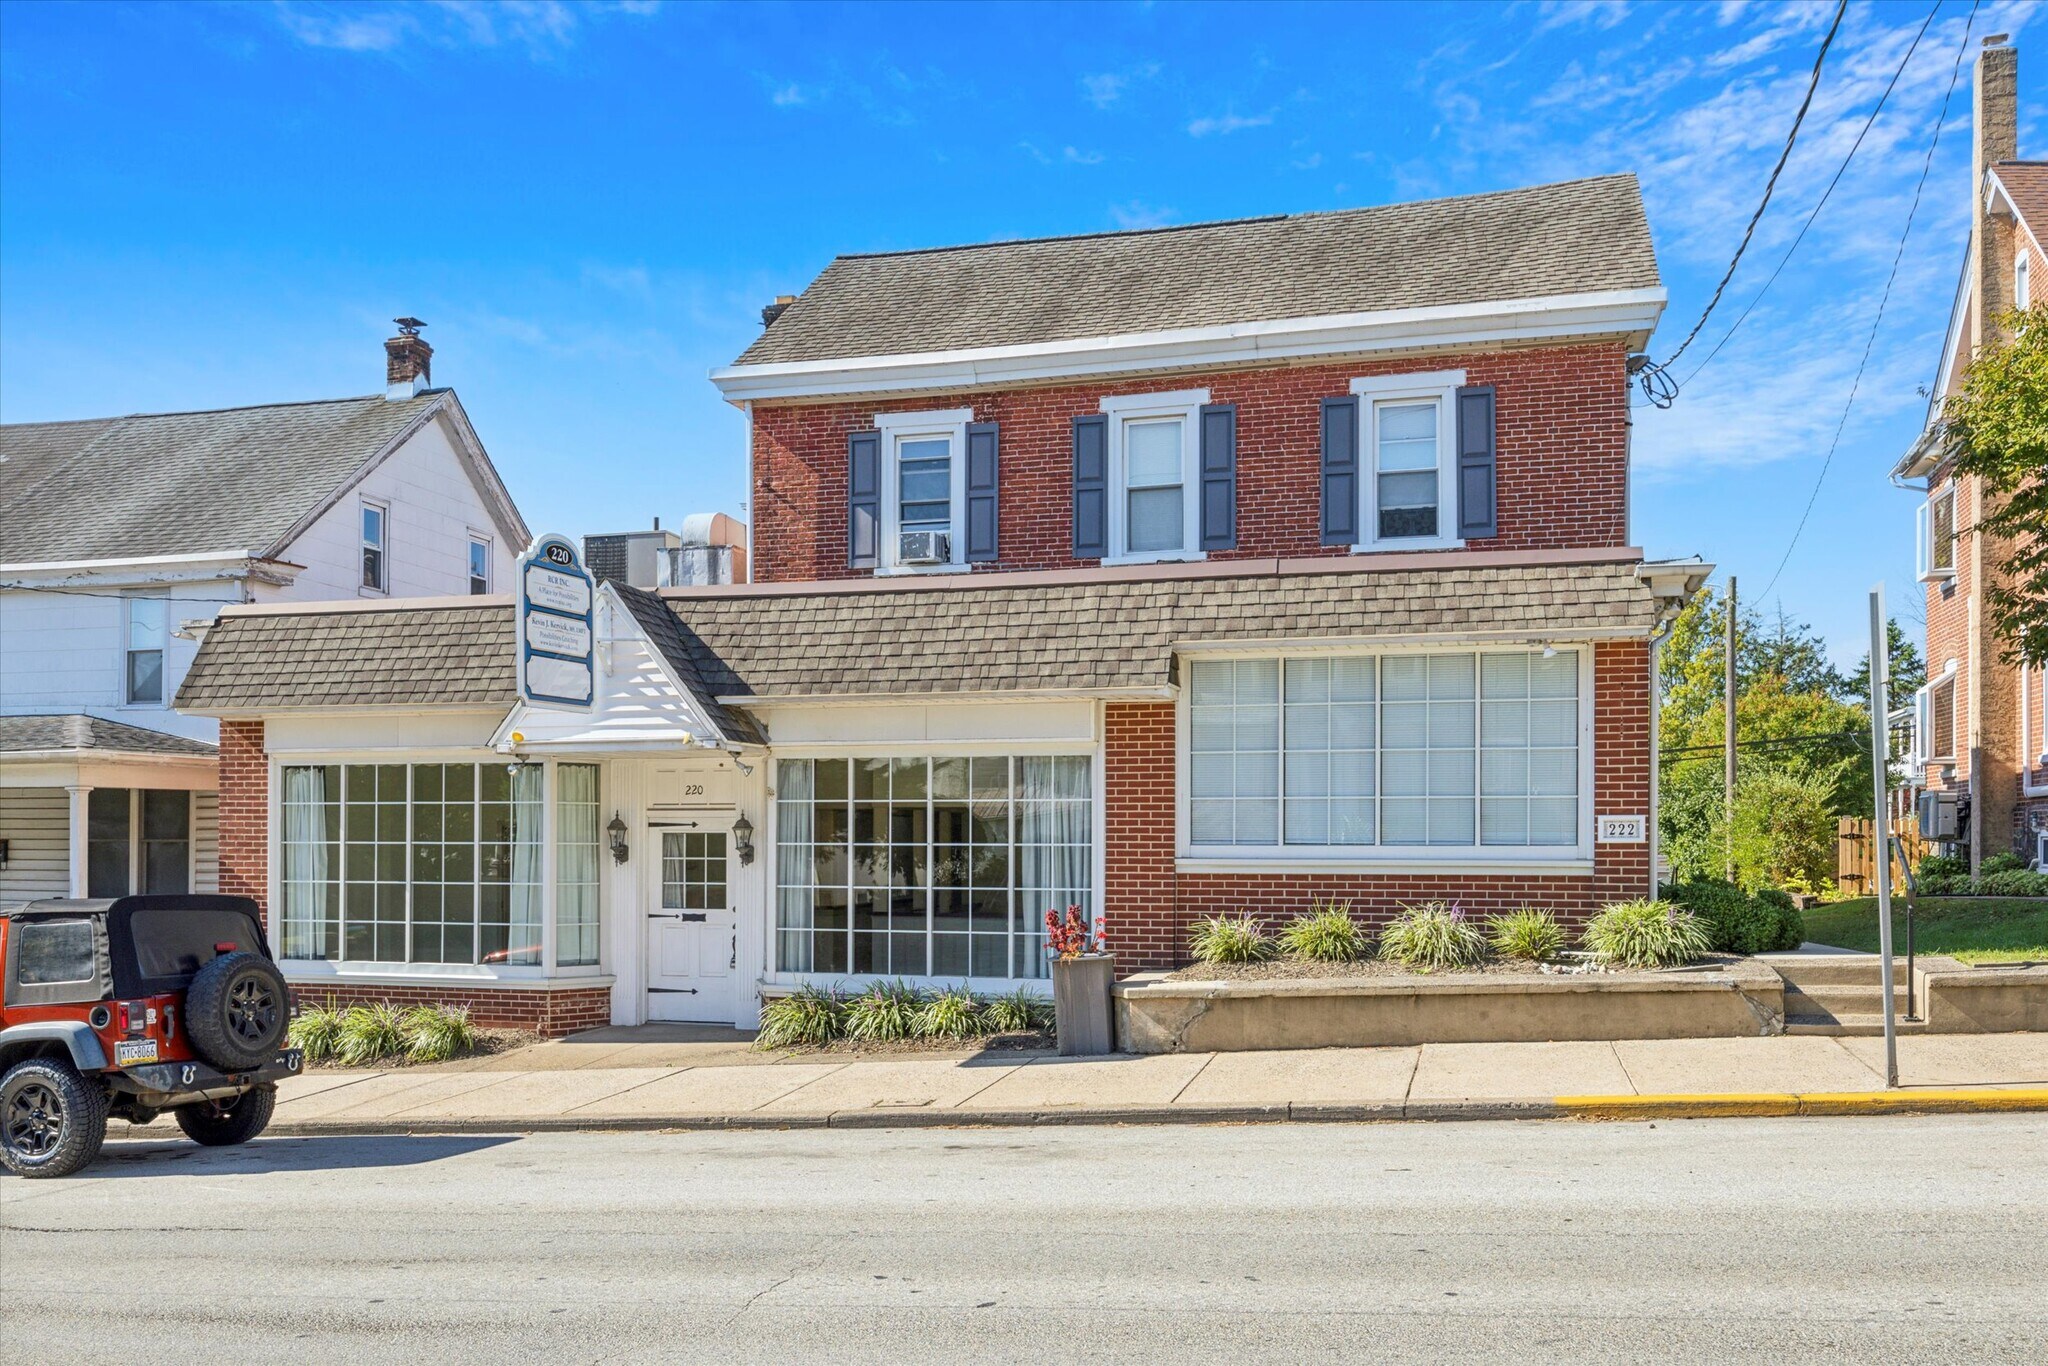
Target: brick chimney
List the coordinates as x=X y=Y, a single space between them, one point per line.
x=408 y=361
x=1996 y=138
x=776 y=309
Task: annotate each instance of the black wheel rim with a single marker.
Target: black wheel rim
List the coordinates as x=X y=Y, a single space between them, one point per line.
x=35 y=1120
x=252 y=1010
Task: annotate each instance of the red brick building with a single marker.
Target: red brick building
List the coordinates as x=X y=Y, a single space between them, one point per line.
x=1980 y=725
x=1167 y=573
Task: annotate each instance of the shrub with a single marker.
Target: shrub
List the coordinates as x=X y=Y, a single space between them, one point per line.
x=950 y=1014
x=1646 y=934
x=1942 y=865
x=438 y=1033
x=1019 y=1011
x=808 y=1015
x=1433 y=935
x=2012 y=882
x=884 y=1013
x=2004 y=861
x=1326 y=934
x=316 y=1031
x=1529 y=935
x=1229 y=939
x=1736 y=922
x=370 y=1034
x=1945 y=884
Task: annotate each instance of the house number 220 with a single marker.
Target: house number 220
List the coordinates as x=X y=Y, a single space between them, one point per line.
x=693 y=789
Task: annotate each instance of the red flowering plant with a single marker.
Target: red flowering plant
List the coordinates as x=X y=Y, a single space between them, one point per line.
x=1072 y=937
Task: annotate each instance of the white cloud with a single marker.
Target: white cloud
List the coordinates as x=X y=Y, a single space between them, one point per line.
x=1224 y=124
x=375 y=32
x=1597 y=14
x=787 y=96
x=1074 y=156
x=542 y=27
x=1307 y=163
x=1136 y=214
x=1105 y=88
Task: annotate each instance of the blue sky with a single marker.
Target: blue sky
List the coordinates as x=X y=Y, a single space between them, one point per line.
x=206 y=205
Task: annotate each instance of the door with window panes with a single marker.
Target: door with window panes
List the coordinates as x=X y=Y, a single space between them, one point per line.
x=692 y=952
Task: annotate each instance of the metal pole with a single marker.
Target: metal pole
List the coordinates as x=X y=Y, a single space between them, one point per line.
x=1880 y=760
x=1728 y=726
x=1912 y=898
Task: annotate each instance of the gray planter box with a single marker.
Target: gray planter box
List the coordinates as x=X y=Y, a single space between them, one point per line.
x=1080 y=1002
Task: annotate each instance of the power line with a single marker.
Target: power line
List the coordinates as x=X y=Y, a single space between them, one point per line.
x=1870 y=342
x=1826 y=194
x=1689 y=753
x=1657 y=385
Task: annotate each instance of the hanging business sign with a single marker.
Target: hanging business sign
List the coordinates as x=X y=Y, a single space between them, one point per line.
x=554 y=644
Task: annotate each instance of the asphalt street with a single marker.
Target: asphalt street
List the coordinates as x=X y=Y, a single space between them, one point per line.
x=1884 y=1239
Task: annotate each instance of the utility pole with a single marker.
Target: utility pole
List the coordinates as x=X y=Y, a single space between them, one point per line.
x=1728 y=740
x=1880 y=764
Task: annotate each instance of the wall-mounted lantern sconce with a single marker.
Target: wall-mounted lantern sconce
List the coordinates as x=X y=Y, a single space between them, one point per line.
x=617 y=830
x=743 y=839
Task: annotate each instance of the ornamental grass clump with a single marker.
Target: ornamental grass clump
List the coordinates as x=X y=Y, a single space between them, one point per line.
x=884 y=1013
x=949 y=1014
x=1527 y=935
x=316 y=1032
x=1327 y=934
x=807 y=1016
x=438 y=1033
x=1016 y=1013
x=1433 y=935
x=1229 y=939
x=1646 y=934
x=370 y=1034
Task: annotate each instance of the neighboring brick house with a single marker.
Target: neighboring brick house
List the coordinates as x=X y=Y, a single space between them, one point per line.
x=1980 y=726
x=1164 y=573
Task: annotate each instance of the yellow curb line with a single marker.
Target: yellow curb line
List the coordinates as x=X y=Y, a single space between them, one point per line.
x=1771 y=1104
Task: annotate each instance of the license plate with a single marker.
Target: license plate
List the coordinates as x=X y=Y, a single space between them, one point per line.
x=130 y=1051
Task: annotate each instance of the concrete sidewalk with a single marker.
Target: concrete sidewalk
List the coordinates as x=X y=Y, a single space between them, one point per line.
x=718 y=1082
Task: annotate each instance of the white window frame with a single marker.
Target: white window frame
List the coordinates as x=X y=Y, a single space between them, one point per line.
x=896 y=428
x=1924 y=551
x=1373 y=390
x=1949 y=677
x=1185 y=404
x=163 y=651
x=1355 y=858
x=2022 y=279
x=382 y=546
x=475 y=539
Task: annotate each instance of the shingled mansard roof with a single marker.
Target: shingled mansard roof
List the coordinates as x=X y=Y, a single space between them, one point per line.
x=230 y=481
x=1060 y=634
x=1578 y=237
x=75 y=734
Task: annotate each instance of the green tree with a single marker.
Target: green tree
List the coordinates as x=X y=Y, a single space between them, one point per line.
x=1909 y=671
x=1996 y=426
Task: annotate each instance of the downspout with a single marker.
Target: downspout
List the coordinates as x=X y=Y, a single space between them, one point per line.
x=753 y=513
x=1657 y=638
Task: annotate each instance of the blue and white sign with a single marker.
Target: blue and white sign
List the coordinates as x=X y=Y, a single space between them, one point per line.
x=556 y=666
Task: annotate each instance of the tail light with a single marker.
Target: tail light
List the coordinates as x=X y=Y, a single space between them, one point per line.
x=134 y=1017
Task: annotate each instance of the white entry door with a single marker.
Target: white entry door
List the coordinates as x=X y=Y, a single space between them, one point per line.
x=692 y=956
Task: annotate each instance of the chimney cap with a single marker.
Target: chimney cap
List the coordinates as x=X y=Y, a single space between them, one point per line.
x=785 y=298
x=1997 y=39
x=408 y=327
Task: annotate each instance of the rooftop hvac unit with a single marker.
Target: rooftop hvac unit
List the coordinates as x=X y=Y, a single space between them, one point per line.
x=639 y=559
x=924 y=547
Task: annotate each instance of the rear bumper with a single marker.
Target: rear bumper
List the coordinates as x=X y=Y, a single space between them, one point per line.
x=161 y=1085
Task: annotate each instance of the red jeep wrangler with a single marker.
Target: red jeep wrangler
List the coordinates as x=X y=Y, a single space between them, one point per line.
x=130 y=1007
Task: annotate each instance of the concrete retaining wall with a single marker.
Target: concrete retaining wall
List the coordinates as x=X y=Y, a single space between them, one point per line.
x=1986 y=1000
x=1154 y=1015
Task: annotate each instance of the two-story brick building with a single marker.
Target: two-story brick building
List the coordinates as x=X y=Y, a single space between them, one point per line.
x=1164 y=573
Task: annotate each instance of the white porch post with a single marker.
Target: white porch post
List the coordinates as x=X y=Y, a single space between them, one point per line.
x=79 y=814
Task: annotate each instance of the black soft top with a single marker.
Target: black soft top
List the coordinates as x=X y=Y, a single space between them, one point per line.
x=179 y=933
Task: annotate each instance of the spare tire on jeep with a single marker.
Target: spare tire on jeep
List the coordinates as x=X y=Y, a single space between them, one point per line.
x=237 y=1011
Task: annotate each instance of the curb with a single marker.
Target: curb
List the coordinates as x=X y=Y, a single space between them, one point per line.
x=1739 y=1106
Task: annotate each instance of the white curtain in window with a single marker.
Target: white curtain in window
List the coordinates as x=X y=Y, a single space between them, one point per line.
x=528 y=788
x=795 y=866
x=576 y=865
x=1054 y=850
x=306 y=872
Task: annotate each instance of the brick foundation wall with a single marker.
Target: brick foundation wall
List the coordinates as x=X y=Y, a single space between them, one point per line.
x=245 y=813
x=552 y=1012
x=1562 y=429
x=1148 y=905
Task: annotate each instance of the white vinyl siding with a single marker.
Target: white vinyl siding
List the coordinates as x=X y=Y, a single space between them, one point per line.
x=36 y=823
x=206 y=841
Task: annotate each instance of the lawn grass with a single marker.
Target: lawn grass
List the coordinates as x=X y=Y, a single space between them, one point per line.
x=1972 y=929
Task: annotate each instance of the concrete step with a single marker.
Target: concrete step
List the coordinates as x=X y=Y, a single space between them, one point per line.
x=1848 y=1026
x=1835 y=999
x=1837 y=969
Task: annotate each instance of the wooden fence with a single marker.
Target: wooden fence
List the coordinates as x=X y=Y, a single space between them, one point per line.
x=1856 y=855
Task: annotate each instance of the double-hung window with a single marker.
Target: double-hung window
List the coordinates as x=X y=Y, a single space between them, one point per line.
x=1154 y=510
x=1939 y=728
x=479 y=565
x=1382 y=756
x=1938 y=535
x=143 y=657
x=2022 y=281
x=923 y=489
x=1409 y=490
x=376 y=569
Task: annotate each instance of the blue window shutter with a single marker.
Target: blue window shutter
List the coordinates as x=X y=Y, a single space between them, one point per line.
x=1340 y=471
x=982 y=519
x=1219 y=476
x=1091 y=485
x=863 y=499
x=1478 y=516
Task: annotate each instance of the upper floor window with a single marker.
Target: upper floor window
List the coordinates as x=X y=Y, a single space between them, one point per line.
x=923 y=486
x=1937 y=539
x=1934 y=719
x=1154 y=513
x=143 y=656
x=479 y=565
x=376 y=569
x=1409 y=484
x=2022 y=282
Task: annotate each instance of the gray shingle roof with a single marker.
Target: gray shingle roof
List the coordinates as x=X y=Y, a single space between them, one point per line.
x=236 y=479
x=1576 y=237
x=669 y=637
x=1109 y=634
x=77 y=732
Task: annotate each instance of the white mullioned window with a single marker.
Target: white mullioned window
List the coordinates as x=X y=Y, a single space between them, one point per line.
x=1154 y=507
x=924 y=486
x=1937 y=535
x=1379 y=754
x=1408 y=483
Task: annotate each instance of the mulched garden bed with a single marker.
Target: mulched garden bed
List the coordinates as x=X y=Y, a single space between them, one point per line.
x=488 y=1043
x=1299 y=969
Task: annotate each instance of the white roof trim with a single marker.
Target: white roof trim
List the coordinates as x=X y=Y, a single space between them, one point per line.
x=1633 y=312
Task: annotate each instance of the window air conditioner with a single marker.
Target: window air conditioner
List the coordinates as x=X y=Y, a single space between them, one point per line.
x=924 y=547
x=1938 y=816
